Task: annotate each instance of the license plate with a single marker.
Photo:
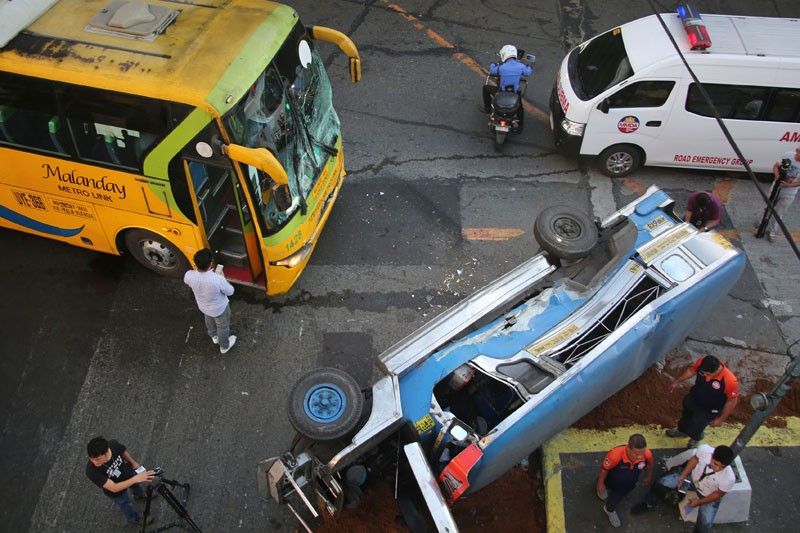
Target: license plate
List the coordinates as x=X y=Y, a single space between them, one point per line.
x=501 y=128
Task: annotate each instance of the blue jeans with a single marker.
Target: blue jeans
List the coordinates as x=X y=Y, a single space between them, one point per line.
x=705 y=513
x=123 y=501
x=220 y=326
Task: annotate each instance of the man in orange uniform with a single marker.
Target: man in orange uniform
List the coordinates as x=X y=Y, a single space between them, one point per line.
x=709 y=402
x=619 y=474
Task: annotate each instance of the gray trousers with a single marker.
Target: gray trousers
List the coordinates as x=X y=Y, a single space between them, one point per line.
x=220 y=326
x=781 y=207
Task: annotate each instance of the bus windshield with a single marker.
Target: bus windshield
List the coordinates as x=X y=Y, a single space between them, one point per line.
x=289 y=111
x=599 y=64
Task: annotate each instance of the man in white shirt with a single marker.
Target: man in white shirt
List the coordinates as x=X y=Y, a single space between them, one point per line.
x=211 y=291
x=711 y=477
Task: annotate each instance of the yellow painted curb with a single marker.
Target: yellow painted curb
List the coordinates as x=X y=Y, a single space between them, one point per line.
x=592 y=441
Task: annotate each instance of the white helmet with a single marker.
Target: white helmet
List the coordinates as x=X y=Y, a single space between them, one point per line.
x=507 y=52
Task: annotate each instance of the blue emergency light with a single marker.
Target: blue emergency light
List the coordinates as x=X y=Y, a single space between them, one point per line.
x=695 y=29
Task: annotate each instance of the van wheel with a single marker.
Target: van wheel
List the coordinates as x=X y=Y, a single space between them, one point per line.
x=156 y=253
x=620 y=160
x=325 y=404
x=565 y=232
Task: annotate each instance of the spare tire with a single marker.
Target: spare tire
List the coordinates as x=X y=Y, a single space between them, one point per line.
x=325 y=404
x=565 y=232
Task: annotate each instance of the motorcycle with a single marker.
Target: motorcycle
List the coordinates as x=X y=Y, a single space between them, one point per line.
x=506 y=114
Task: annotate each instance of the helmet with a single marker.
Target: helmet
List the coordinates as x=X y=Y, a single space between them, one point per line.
x=507 y=52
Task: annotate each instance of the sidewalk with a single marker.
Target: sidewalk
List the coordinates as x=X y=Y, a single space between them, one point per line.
x=572 y=459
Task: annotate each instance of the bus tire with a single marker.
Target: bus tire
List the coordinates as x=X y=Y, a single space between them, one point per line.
x=325 y=404
x=565 y=232
x=156 y=253
x=620 y=160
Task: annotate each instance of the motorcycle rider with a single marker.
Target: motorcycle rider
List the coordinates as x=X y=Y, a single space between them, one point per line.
x=508 y=72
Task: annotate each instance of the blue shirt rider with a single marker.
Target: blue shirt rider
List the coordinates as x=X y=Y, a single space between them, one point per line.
x=510 y=71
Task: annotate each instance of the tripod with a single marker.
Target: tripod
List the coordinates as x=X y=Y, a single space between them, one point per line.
x=773 y=196
x=160 y=485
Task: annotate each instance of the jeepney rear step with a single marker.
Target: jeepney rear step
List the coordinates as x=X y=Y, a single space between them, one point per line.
x=500 y=293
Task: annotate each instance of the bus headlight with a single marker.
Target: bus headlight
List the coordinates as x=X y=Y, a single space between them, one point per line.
x=296 y=258
x=572 y=128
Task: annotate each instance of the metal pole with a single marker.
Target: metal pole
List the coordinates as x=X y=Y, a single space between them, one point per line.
x=765 y=404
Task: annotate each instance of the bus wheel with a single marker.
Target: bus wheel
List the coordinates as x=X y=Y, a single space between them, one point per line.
x=156 y=253
x=325 y=404
x=565 y=232
x=620 y=160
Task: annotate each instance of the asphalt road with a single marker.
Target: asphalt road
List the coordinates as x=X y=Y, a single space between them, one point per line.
x=94 y=344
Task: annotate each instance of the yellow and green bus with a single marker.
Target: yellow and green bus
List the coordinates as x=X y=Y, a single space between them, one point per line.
x=161 y=128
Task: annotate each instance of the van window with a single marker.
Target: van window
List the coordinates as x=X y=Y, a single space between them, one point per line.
x=784 y=106
x=642 y=94
x=739 y=102
x=600 y=64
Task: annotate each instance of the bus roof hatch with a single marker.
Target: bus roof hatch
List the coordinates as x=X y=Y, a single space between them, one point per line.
x=132 y=19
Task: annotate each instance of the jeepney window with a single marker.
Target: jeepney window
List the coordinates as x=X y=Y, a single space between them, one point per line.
x=739 y=102
x=677 y=268
x=650 y=93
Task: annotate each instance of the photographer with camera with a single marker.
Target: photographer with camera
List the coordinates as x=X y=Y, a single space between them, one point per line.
x=112 y=468
x=708 y=472
x=787 y=179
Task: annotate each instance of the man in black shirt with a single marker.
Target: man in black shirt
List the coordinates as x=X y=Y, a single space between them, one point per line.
x=112 y=468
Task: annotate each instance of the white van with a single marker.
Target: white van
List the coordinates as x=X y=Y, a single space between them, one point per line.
x=626 y=97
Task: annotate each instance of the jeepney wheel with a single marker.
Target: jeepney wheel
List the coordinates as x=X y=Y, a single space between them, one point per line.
x=325 y=404
x=156 y=253
x=620 y=160
x=565 y=232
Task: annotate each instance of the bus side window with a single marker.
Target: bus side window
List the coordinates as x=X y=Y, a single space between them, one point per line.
x=113 y=128
x=784 y=106
x=642 y=94
x=28 y=116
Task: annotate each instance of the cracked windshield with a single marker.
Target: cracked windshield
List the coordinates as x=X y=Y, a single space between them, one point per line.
x=289 y=111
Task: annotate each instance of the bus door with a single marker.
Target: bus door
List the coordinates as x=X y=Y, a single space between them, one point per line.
x=635 y=114
x=226 y=220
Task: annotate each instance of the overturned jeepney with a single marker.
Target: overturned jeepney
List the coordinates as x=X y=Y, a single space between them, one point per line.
x=481 y=386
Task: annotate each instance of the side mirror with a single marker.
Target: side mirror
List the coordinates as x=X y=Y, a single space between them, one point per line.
x=531 y=58
x=261 y=158
x=604 y=105
x=345 y=44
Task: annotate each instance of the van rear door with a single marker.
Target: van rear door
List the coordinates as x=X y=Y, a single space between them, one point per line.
x=634 y=114
x=421 y=502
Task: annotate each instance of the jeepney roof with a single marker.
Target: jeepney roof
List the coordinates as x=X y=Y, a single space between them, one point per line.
x=213 y=46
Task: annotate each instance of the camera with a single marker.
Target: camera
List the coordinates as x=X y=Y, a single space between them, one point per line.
x=786 y=164
x=685 y=486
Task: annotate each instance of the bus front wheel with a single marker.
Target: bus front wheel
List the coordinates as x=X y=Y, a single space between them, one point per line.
x=156 y=253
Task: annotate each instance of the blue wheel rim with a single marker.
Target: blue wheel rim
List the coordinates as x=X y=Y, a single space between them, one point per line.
x=325 y=403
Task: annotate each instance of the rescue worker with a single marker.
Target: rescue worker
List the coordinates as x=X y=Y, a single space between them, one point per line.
x=709 y=402
x=619 y=473
x=703 y=210
x=509 y=72
x=711 y=476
